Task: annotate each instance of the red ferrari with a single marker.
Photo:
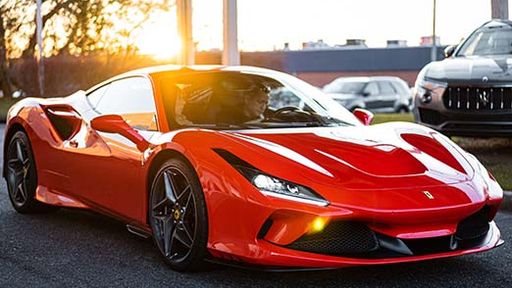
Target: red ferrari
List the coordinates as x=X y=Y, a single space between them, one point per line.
x=252 y=167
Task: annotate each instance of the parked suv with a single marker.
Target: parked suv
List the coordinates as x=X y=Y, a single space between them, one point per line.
x=377 y=94
x=470 y=92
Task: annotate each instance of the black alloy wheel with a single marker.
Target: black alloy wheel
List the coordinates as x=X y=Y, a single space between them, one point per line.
x=21 y=175
x=177 y=215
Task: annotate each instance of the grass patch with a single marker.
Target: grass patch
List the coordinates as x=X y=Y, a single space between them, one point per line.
x=494 y=153
x=381 y=118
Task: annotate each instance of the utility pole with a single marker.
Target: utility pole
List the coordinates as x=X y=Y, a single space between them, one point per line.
x=230 y=53
x=499 y=9
x=433 y=54
x=184 y=16
x=39 y=55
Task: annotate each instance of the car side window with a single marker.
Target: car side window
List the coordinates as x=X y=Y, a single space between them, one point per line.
x=131 y=98
x=386 y=88
x=371 y=89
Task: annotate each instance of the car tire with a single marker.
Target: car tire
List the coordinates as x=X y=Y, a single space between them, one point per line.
x=402 y=110
x=21 y=176
x=178 y=217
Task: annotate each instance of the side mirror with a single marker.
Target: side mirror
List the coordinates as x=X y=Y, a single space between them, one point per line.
x=448 y=51
x=116 y=124
x=365 y=94
x=363 y=115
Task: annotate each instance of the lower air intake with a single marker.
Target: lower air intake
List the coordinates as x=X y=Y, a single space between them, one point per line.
x=339 y=238
x=474 y=226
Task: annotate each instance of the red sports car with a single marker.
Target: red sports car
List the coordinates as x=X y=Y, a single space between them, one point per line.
x=252 y=167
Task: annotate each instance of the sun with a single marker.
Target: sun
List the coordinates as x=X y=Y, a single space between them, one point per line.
x=159 y=38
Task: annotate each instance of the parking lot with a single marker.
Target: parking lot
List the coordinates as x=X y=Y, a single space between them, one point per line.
x=76 y=248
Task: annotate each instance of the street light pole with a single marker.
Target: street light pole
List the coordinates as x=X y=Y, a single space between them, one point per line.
x=433 y=54
x=499 y=9
x=184 y=15
x=39 y=55
x=230 y=54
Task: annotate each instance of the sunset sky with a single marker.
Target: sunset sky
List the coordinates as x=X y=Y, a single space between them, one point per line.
x=268 y=24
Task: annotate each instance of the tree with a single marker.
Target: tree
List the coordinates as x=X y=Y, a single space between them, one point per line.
x=75 y=27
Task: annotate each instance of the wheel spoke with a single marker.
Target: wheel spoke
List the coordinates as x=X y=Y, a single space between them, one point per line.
x=159 y=225
x=160 y=205
x=19 y=152
x=184 y=237
x=169 y=187
x=187 y=205
x=185 y=190
x=13 y=163
x=15 y=179
x=169 y=235
x=11 y=181
x=26 y=163
x=188 y=233
x=20 y=191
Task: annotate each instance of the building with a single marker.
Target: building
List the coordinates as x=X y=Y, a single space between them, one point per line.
x=321 y=66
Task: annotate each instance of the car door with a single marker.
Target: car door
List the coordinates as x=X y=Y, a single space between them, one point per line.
x=388 y=96
x=110 y=175
x=371 y=95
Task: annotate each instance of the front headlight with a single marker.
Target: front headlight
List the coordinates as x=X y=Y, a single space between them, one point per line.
x=426 y=90
x=270 y=185
x=279 y=188
x=276 y=187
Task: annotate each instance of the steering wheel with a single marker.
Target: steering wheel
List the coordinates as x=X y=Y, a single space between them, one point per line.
x=286 y=109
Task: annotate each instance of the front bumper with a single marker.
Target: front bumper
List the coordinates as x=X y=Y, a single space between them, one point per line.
x=465 y=123
x=277 y=258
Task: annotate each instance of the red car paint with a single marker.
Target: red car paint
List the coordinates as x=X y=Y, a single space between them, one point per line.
x=381 y=175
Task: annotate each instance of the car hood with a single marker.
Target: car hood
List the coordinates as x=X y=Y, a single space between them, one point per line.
x=363 y=157
x=399 y=160
x=474 y=69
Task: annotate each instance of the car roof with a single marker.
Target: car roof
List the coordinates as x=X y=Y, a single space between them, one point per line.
x=495 y=23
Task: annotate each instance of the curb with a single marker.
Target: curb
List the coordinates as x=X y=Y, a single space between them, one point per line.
x=507 y=201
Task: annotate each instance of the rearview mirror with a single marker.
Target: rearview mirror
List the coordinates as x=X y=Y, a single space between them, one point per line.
x=116 y=124
x=364 y=116
x=448 y=51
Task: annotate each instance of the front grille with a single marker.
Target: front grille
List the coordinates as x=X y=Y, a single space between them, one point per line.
x=339 y=238
x=478 y=98
x=474 y=226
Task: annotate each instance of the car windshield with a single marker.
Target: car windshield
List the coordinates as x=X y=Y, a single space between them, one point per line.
x=235 y=100
x=488 y=41
x=345 y=87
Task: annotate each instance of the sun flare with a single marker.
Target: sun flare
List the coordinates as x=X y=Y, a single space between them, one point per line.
x=159 y=38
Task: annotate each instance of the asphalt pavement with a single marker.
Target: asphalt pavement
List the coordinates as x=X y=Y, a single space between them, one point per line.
x=77 y=248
